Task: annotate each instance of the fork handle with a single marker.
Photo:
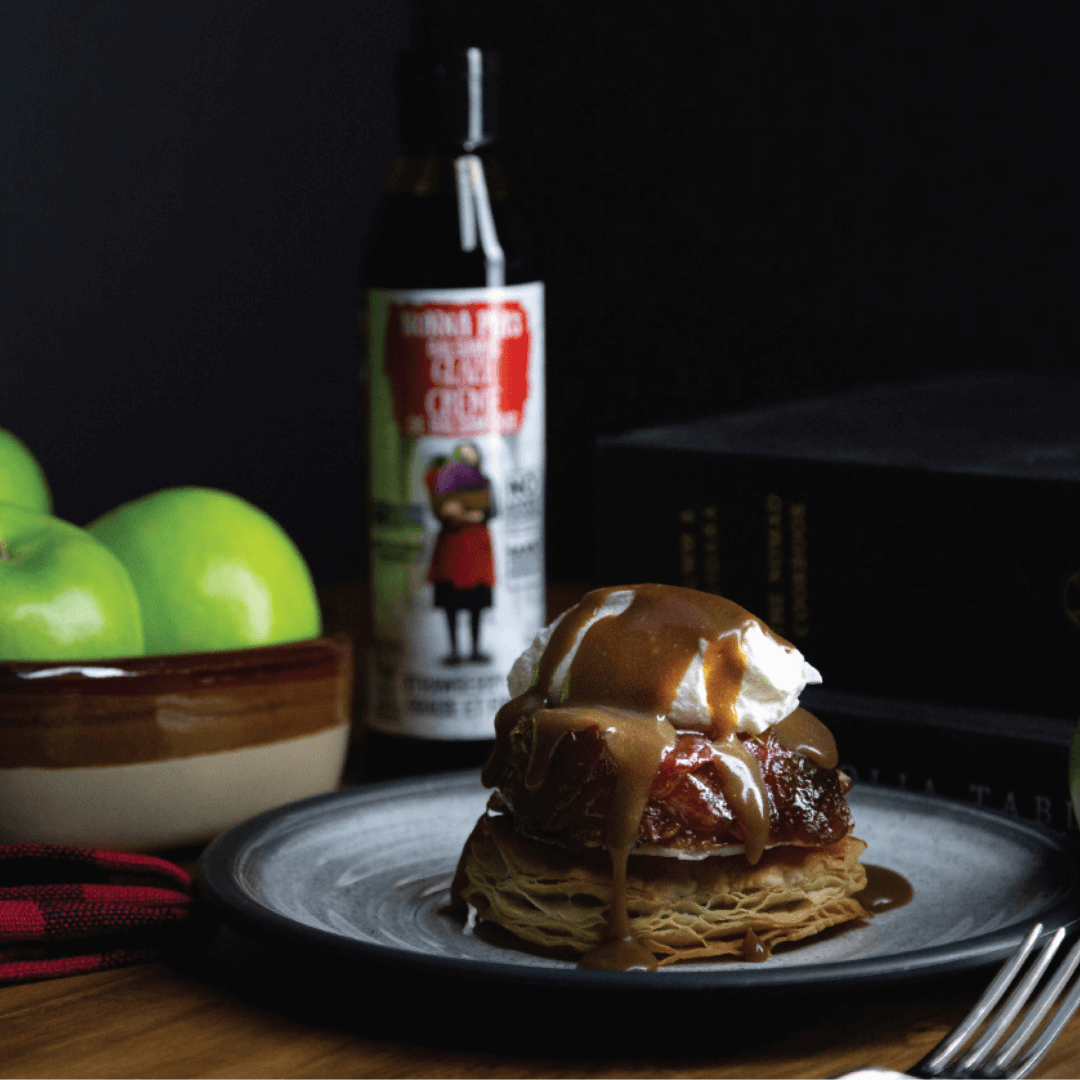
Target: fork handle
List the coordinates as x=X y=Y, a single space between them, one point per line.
x=872 y=1072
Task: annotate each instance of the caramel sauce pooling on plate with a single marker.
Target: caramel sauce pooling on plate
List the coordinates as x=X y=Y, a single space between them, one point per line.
x=623 y=679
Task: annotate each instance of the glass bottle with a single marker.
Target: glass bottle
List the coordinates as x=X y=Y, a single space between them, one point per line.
x=453 y=319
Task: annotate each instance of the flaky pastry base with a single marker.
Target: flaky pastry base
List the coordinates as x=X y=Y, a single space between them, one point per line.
x=679 y=909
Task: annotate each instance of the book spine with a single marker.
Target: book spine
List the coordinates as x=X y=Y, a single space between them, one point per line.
x=959 y=589
x=1026 y=778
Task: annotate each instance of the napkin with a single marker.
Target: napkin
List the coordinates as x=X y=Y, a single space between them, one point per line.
x=67 y=910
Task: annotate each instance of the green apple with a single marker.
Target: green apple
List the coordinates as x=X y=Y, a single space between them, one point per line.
x=63 y=596
x=212 y=571
x=22 y=481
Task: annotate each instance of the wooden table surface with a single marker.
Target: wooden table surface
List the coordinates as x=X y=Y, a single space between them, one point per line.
x=241 y=1008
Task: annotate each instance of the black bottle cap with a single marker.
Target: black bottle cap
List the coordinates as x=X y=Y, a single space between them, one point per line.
x=448 y=98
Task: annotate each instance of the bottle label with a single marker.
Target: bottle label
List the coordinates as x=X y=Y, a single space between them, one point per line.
x=456 y=391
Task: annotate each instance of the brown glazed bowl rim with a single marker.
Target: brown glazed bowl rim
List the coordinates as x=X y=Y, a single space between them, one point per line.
x=305 y=659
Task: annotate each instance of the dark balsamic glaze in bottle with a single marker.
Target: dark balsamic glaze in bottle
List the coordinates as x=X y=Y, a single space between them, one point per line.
x=415 y=243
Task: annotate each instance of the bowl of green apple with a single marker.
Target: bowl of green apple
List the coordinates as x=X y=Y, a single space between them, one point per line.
x=164 y=673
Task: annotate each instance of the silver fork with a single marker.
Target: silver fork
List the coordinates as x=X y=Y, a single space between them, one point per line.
x=988 y=1058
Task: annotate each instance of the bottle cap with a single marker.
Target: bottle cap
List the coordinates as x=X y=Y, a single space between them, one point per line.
x=448 y=98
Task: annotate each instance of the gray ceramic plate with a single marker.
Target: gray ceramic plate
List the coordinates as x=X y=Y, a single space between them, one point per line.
x=365 y=872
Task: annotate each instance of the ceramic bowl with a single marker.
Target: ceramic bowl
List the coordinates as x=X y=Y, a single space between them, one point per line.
x=155 y=752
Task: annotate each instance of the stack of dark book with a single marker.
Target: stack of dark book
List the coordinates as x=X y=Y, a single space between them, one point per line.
x=919 y=542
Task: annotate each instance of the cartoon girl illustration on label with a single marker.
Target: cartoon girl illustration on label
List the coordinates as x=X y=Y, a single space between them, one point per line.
x=462 y=564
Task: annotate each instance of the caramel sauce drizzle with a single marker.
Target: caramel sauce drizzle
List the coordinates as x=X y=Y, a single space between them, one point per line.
x=754 y=950
x=744 y=789
x=623 y=679
x=803 y=733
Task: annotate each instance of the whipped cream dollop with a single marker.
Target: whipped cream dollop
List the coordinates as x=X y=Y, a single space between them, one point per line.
x=773 y=680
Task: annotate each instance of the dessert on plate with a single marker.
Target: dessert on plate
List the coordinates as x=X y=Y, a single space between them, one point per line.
x=659 y=795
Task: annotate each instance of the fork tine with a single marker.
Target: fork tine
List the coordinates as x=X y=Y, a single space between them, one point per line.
x=989 y=1039
x=934 y=1062
x=1035 y=1015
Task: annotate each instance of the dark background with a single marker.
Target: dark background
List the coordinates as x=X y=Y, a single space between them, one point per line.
x=736 y=203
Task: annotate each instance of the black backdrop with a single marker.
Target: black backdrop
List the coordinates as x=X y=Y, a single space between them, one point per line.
x=737 y=202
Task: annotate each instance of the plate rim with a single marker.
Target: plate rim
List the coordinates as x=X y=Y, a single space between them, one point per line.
x=218 y=879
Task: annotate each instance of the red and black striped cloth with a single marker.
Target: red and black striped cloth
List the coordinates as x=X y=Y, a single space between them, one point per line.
x=69 y=910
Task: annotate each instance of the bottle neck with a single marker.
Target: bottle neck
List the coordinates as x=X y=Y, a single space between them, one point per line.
x=446 y=221
x=448 y=99
x=434 y=171
x=466 y=180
